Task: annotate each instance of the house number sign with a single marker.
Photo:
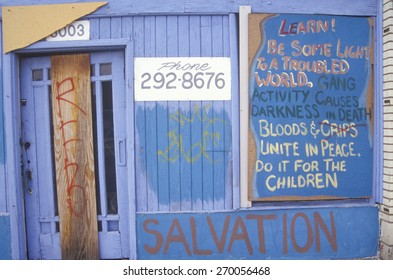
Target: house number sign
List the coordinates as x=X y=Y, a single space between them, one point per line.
x=77 y=30
x=182 y=78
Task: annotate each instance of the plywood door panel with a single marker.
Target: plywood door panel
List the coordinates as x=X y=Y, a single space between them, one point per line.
x=74 y=156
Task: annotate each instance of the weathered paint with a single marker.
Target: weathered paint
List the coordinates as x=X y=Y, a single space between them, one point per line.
x=136 y=7
x=74 y=155
x=195 y=144
x=5 y=237
x=1 y=121
x=315 y=233
x=1 y=112
x=130 y=21
x=40 y=207
x=183 y=148
x=3 y=197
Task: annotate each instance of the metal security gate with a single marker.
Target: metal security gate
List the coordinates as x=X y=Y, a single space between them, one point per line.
x=38 y=156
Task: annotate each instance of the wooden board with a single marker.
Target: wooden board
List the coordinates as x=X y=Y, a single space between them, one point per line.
x=74 y=156
x=24 y=25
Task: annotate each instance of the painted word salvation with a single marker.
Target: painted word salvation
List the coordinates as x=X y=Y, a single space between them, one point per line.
x=311 y=107
x=182 y=78
x=281 y=234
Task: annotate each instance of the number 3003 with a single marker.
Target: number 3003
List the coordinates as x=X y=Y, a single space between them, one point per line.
x=70 y=31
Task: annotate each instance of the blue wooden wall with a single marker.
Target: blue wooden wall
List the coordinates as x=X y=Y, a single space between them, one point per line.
x=135 y=7
x=183 y=153
x=1 y=105
x=2 y=157
x=183 y=149
x=313 y=233
x=5 y=237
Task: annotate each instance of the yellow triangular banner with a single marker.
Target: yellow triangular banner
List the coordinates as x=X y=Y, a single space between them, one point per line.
x=25 y=25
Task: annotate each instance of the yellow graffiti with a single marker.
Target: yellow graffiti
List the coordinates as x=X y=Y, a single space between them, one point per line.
x=176 y=147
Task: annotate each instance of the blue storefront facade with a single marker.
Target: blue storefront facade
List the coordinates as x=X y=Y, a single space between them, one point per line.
x=220 y=129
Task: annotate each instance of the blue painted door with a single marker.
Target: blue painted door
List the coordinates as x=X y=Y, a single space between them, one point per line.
x=109 y=132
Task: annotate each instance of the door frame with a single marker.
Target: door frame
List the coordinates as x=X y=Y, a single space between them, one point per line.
x=12 y=131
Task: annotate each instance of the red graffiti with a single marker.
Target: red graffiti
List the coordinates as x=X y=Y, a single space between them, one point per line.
x=60 y=97
x=65 y=93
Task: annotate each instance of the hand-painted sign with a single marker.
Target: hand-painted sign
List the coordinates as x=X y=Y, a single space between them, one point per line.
x=326 y=233
x=311 y=107
x=182 y=78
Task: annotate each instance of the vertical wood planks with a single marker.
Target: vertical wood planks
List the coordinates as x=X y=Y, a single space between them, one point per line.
x=153 y=191
x=2 y=139
x=183 y=147
x=163 y=178
x=196 y=128
x=105 y=28
x=185 y=169
x=207 y=128
x=140 y=142
x=74 y=156
x=218 y=138
x=175 y=187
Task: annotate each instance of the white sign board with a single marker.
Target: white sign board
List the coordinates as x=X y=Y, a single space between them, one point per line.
x=182 y=78
x=78 y=30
